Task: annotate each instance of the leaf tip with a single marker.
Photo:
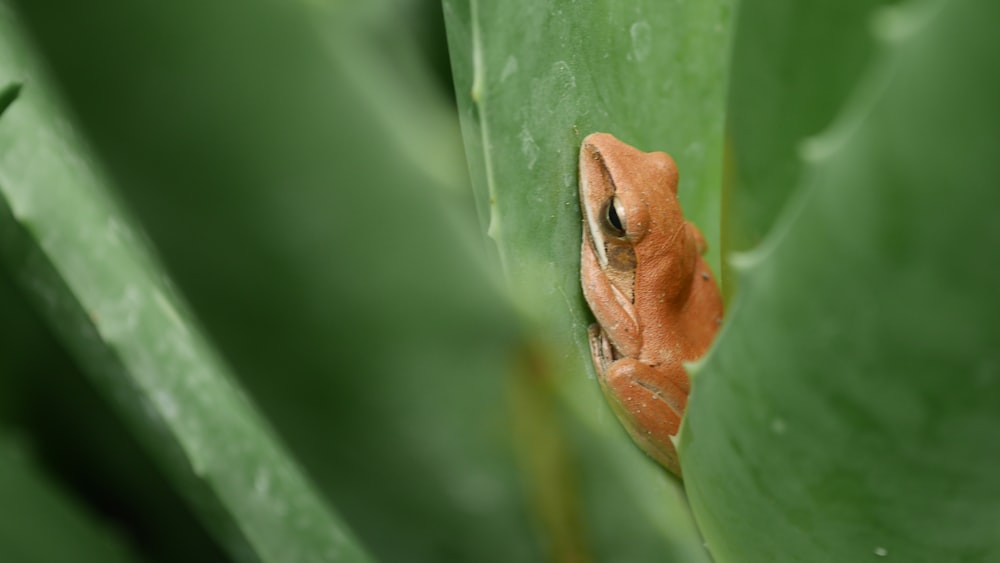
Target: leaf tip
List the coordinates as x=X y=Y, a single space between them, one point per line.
x=8 y=94
x=897 y=23
x=743 y=262
x=817 y=148
x=695 y=367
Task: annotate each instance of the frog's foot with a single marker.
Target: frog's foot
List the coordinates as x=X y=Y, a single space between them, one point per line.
x=651 y=405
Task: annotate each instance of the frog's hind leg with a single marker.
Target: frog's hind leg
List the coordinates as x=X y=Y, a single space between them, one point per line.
x=651 y=406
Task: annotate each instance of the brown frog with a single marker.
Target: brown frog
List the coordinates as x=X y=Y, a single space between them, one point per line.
x=656 y=302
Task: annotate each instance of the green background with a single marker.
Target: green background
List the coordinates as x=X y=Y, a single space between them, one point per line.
x=299 y=282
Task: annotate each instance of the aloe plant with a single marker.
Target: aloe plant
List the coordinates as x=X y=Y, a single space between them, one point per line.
x=833 y=419
x=253 y=307
x=851 y=402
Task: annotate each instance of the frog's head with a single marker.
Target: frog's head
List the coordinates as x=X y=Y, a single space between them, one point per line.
x=633 y=219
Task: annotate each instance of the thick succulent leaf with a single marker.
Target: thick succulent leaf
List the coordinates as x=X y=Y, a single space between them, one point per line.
x=283 y=197
x=65 y=239
x=73 y=439
x=533 y=78
x=850 y=409
x=793 y=66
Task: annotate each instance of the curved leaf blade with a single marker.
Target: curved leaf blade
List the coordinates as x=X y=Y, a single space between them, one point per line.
x=532 y=79
x=65 y=239
x=850 y=409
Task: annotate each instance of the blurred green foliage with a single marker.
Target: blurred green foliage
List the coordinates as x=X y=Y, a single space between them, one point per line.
x=292 y=178
x=39 y=523
x=851 y=403
x=318 y=257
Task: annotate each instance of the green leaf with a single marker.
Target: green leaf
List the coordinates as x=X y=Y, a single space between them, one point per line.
x=40 y=524
x=533 y=78
x=71 y=246
x=80 y=444
x=793 y=66
x=287 y=206
x=850 y=409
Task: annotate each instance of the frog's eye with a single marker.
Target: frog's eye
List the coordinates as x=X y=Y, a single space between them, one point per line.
x=614 y=217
